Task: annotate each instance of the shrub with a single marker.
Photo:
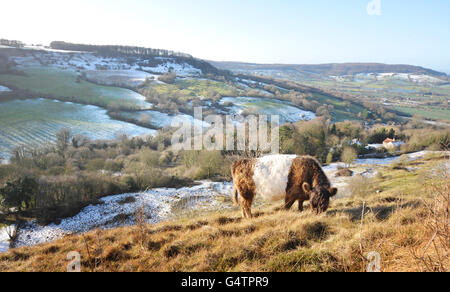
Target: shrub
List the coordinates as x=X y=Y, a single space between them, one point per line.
x=95 y=164
x=112 y=165
x=344 y=172
x=168 y=78
x=329 y=158
x=150 y=158
x=360 y=186
x=166 y=158
x=209 y=164
x=349 y=155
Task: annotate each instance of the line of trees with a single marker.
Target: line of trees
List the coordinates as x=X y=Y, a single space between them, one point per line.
x=146 y=53
x=11 y=43
x=115 y=51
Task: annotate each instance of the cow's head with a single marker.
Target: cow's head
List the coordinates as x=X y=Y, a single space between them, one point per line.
x=319 y=196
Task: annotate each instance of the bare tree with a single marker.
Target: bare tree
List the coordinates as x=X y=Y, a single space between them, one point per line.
x=62 y=140
x=348 y=156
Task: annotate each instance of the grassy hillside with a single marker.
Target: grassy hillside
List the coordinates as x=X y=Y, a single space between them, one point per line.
x=332 y=69
x=427 y=113
x=64 y=84
x=405 y=222
x=192 y=88
x=342 y=111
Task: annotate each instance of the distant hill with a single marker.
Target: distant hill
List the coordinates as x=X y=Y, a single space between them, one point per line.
x=331 y=69
x=138 y=52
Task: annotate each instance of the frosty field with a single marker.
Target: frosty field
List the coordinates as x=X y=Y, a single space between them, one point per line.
x=4 y=89
x=161 y=204
x=35 y=122
x=287 y=112
x=64 y=84
x=160 y=120
x=127 y=78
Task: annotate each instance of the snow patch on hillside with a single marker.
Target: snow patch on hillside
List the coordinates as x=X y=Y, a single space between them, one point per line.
x=182 y=70
x=114 y=211
x=105 y=70
x=287 y=112
x=4 y=237
x=420 y=79
x=4 y=89
x=127 y=78
x=161 y=120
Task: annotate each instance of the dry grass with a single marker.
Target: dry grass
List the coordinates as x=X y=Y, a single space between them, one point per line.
x=408 y=229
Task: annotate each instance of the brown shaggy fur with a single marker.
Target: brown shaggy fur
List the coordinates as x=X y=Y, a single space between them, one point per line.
x=243 y=184
x=306 y=181
x=304 y=169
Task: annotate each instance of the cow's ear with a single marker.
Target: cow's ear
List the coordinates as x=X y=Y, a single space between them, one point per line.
x=306 y=187
x=333 y=192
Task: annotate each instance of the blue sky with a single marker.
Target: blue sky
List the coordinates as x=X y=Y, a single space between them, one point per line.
x=279 y=31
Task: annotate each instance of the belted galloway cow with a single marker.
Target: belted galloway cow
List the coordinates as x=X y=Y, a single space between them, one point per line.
x=277 y=177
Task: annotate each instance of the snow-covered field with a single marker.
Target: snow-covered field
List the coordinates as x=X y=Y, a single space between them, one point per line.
x=36 y=122
x=389 y=160
x=286 y=111
x=127 y=78
x=160 y=204
x=161 y=120
x=420 y=79
x=183 y=70
x=4 y=237
x=104 y=70
x=4 y=89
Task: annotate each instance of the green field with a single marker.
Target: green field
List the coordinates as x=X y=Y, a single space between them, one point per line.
x=63 y=84
x=342 y=111
x=191 y=88
x=404 y=96
x=432 y=113
x=188 y=89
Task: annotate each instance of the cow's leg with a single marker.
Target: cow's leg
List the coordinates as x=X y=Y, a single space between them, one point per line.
x=246 y=202
x=247 y=206
x=235 y=196
x=248 y=211
x=300 y=205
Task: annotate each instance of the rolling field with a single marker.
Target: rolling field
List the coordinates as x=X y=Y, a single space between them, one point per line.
x=192 y=88
x=35 y=122
x=286 y=111
x=341 y=111
x=428 y=113
x=404 y=96
x=158 y=119
x=56 y=83
x=126 y=78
